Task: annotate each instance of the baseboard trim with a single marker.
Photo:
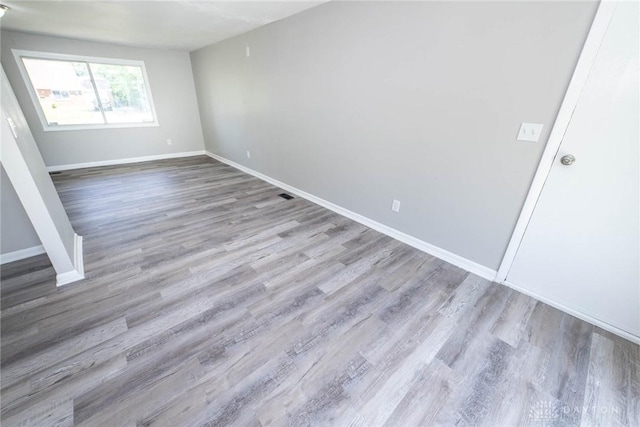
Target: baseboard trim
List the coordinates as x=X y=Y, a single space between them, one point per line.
x=59 y=168
x=78 y=262
x=68 y=277
x=606 y=326
x=78 y=255
x=21 y=254
x=436 y=251
x=443 y=254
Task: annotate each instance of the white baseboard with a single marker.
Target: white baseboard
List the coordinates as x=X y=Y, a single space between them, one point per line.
x=124 y=161
x=68 y=277
x=21 y=254
x=78 y=254
x=443 y=254
x=436 y=251
x=575 y=313
x=78 y=261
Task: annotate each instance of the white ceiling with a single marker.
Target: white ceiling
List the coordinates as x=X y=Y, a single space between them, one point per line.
x=179 y=24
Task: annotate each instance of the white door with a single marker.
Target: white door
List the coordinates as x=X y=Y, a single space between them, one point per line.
x=581 y=248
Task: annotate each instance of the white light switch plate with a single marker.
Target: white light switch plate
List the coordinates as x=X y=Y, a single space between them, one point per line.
x=530 y=132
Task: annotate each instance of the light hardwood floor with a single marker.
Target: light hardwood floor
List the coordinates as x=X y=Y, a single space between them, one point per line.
x=209 y=300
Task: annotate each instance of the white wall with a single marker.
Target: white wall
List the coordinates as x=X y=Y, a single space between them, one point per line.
x=16 y=231
x=171 y=82
x=362 y=102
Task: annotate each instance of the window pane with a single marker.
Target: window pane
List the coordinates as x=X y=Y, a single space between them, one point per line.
x=64 y=91
x=122 y=92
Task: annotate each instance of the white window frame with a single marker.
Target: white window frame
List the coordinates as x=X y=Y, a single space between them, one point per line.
x=19 y=54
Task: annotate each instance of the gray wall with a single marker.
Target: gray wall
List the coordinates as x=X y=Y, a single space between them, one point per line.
x=16 y=231
x=171 y=81
x=359 y=103
x=23 y=162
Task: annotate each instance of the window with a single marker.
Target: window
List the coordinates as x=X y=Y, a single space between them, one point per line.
x=73 y=92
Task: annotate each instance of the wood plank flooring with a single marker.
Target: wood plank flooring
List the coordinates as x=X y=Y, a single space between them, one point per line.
x=211 y=301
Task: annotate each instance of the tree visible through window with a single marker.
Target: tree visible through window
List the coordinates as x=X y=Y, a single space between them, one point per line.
x=77 y=92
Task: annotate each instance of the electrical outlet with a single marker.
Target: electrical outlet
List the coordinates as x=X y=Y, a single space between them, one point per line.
x=169 y=142
x=248 y=154
x=395 y=205
x=247 y=51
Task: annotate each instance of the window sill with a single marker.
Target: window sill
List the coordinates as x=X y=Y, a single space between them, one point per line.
x=62 y=128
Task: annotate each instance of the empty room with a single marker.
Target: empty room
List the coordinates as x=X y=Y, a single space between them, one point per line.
x=320 y=213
